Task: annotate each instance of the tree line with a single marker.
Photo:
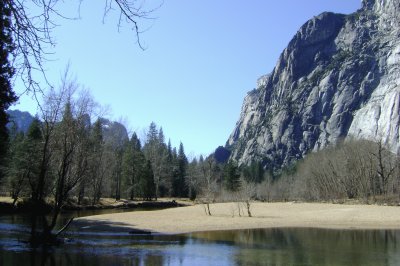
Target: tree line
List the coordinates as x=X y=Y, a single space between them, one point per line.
x=65 y=158
x=357 y=170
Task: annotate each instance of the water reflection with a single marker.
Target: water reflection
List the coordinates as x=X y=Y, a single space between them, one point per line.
x=285 y=246
x=297 y=246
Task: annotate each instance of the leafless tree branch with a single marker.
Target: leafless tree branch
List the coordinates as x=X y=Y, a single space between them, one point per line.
x=32 y=25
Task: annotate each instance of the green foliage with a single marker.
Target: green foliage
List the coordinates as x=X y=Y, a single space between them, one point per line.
x=156 y=151
x=96 y=136
x=254 y=172
x=133 y=163
x=24 y=161
x=146 y=182
x=179 y=187
x=232 y=176
x=7 y=95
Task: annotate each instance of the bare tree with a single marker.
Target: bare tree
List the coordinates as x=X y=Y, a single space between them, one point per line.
x=386 y=167
x=192 y=179
x=63 y=153
x=247 y=194
x=209 y=184
x=264 y=189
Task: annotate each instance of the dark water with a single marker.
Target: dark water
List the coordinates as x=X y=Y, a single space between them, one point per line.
x=287 y=246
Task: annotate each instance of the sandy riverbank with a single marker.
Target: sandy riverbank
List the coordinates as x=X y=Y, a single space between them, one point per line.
x=265 y=215
x=6 y=205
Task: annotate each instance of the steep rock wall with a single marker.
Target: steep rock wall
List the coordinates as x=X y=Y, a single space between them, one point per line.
x=338 y=78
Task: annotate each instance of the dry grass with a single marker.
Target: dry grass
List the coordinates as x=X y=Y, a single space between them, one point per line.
x=6 y=199
x=265 y=215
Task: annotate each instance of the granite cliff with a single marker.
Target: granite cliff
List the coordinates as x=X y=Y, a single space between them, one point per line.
x=338 y=78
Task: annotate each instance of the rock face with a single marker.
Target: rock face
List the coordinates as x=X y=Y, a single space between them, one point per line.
x=20 y=120
x=338 y=78
x=114 y=133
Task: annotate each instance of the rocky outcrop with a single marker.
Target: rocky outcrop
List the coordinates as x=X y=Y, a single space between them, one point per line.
x=338 y=78
x=114 y=133
x=19 y=121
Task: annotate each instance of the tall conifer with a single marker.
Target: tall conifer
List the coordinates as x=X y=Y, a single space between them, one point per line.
x=7 y=95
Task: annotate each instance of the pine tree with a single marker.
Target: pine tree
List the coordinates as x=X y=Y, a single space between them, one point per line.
x=24 y=162
x=155 y=151
x=232 y=176
x=33 y=156
x=17 y=166
x=96 y=163
x=133 y=163
x=147 y=185
x=7 y=95
x=254 y=172
x=169 y=169
x=179 y=185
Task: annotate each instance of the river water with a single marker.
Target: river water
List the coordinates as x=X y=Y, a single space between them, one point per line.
x=283 y=246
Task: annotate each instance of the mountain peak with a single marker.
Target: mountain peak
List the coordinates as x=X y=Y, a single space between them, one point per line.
x=338 y=78
x=385 y=7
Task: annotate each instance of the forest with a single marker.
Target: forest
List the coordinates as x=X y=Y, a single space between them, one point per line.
x=66 y=157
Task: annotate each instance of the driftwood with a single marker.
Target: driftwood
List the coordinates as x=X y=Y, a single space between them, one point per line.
x=64 y=227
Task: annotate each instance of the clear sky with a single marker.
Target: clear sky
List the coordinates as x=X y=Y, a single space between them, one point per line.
x=202 y=58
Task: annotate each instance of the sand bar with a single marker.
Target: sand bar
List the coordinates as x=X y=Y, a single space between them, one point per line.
x=265 y=215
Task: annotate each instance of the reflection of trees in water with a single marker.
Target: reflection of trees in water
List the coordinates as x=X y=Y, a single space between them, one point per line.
x=319 y=246
x=246 y=247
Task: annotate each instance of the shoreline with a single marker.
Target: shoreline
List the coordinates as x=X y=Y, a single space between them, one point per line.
x=265 y=215
x=105 y=203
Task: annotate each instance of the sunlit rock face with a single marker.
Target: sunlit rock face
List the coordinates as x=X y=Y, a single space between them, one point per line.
x=338 y=78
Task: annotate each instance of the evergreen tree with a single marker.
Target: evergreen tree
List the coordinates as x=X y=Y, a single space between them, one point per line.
x=179 y=185
x=155 y=151
x=83 y=155
x=24 y=162
x=152 y=134
x=133 y=164
x=7 y=95
x=169 y=169
x=232 y=176
x=17 y=166
x=128 y=169
x=97 y=166
x=161 y=138
x=33 y=152
x=65 y=145
x=147 y=185
x=254 y=172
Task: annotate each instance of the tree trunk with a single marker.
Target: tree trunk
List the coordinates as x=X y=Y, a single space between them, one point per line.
x=208 y=208
x=248 y=208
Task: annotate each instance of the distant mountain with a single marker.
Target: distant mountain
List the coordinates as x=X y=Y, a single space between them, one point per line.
x=338 y=78
x=221 y=154
x=22 y=120
x=114 y=133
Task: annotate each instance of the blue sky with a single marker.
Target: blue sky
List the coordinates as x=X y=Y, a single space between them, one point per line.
x=202 y=58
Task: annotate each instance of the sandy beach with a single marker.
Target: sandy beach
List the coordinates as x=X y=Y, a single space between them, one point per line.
x=265 y=215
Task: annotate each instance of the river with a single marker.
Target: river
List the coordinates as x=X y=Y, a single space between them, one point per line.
x=283 y=246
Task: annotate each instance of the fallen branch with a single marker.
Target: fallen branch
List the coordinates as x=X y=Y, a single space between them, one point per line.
x=65 y=227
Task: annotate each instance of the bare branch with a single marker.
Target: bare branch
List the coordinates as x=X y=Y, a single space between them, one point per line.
x=32 y=25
